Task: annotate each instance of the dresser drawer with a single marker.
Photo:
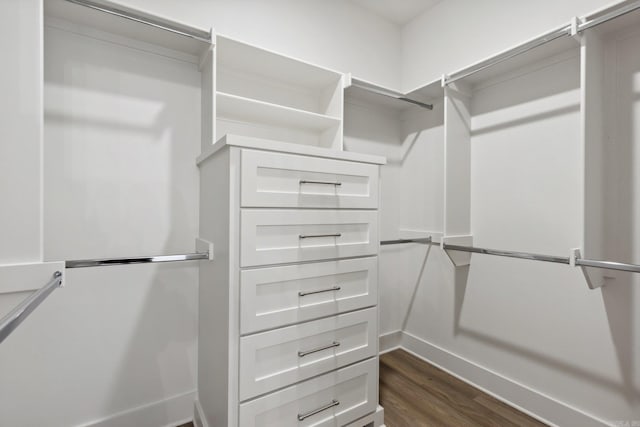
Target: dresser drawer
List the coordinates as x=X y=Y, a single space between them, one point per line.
x=333 y=399
x=278 y=358
x=287 y=180
x=270 y=236
x=277 y=296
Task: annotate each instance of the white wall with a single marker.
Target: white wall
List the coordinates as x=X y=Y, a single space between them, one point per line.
x=21 y=125
x=334 y=33
x=456 y=33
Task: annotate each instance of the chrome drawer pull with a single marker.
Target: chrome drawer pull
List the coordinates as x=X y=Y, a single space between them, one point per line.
x=304 y=181
x=318 y=291
x=315 y=350
x=302 y=417
x=312 y=236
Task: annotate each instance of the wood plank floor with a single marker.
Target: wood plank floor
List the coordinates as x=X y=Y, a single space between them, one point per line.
x=416 y=394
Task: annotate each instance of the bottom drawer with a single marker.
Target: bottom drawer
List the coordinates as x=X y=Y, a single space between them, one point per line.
x=333 y=399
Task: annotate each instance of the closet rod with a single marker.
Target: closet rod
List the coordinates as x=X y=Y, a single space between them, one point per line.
x=12 y=320
x=616 y=12
x=423 y=241
x=543 y=39
x=530 y=45
x=609 y=265
x=510 y=254
x=580 y=262
x=390 y=94
x=203 y=36
x=81 y=263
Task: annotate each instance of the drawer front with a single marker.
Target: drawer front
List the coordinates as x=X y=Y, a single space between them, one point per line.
x=333 y=399
x=283 y=236
x=287 y=180
x=278 y=296
x=278 y=358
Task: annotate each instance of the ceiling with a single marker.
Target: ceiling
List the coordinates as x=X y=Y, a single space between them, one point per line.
x=397 y=11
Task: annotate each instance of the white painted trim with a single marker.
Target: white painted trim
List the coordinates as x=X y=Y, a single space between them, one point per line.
x=28 y=276
x=199 y=420
x=534 y=403
x=170 y=412
x=389 y=341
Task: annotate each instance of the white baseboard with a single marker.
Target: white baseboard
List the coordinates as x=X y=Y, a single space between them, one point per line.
x=199 y=420
x=531 y=402
x=168 y=413
x=389 y=341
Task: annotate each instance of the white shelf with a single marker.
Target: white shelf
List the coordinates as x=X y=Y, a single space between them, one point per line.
x=238 y=108
x=538 y=57
x=356 y=94
x=103 y=21
x=241 y=57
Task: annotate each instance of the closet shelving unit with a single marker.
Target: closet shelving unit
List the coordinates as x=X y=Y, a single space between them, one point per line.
x=407 y=111
x=266 y=95
x=609 y=60
x=128 y=28
x=459 y=90
x=595 y=39
x=601 y=151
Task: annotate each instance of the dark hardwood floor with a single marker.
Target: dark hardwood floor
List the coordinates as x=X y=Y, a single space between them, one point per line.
x=415 y=394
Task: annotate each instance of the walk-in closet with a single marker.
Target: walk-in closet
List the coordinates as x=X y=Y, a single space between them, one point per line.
x=345 y=213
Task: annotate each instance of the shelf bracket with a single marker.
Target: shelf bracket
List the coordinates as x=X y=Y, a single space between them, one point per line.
x=595 y=278
x=205 y=246
x=458 y=258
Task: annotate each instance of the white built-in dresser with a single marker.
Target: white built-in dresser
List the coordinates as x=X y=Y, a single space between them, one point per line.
x=288 y=318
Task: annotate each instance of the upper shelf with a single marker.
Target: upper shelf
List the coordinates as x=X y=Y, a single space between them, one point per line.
x=525 y=55
x=244 y=58
x=136 y=24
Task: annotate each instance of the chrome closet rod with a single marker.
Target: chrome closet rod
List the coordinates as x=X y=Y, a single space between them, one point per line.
x=580 y=262
x=423 y=241
x=12 y=320
x=530 y=45
x=195 y=34
x=509 y=254
x=391 y=94
x=609 y=265
x=539 y=41
x=101 y=262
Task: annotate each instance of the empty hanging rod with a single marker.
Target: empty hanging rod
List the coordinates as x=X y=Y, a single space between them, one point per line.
x=510 y=254
x=580 y=262
x=541 y=40
x=616 y=12
x=609 y=265
x=81 y=263
x=518 y=50
x=423 y=241
x=203 y=36
x=390 y=94
x=12 y=320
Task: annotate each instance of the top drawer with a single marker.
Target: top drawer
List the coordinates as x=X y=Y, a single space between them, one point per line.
x=287 y=180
